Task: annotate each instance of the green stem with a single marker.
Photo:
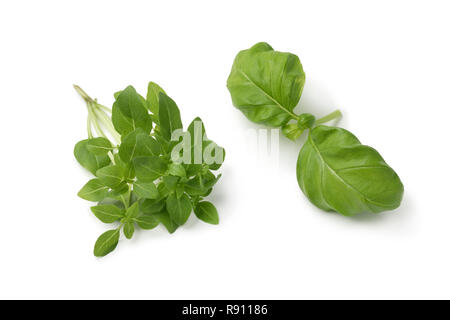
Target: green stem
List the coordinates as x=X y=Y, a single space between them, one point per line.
x=83 y=94
x=334 y=115
x=94 y=118
x=106 y=121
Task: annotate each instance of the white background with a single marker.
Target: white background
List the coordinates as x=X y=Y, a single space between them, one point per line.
x=385 y=64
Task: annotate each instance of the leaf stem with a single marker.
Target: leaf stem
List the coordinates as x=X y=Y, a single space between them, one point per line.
x=334 y=115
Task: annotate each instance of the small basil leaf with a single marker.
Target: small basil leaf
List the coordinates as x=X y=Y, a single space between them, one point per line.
x=133 y=211
x=146 y=190
x=153 y=91
x=170 y=182
x=207 y=212
x=111 y=176
x=89 y=160
x=169 y=116
x=291 y=131
x=165 y=219
x=108 y=213
x=177 y=169
x=149 y=168
x=179 y=209
x=146 y=221
x=106 y=243
x=137 y=144
x=129 y=112
x=99 y=146
x=93 y=190
x=128 y=229
x=150 y=206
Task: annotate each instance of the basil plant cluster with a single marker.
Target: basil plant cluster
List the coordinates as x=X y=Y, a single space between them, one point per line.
x=153 y=173
x=334 y=170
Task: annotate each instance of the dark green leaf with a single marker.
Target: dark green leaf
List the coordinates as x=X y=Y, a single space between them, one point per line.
x=129 y=112
x=133 y=211
x=207 y=212
x=179 y=209
x=165 y=219
x=137 y=144
x=150 y=206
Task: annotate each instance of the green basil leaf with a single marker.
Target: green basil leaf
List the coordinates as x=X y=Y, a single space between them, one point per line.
x=128 y=229
x=171 y=182
x=111 y=176
x=165 y=219
x=136 y=144
x=93 y=190
x=146 y=190
x=108 y=213
x=146 y=221
x=133 y=211
x=337 y=173
x=179 y=209
x=207 y=212
x=150 y=168
x=169 y=116
x=153 y=91
x=129 y=112
x=266 y=85
x=151 y=206
x=89 y=160
x=106 y=243
x=99 y=146
x=176 y=169
x=291 y=131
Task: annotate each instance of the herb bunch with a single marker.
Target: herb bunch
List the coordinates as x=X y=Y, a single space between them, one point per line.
x=150 y=171
x=334 y=170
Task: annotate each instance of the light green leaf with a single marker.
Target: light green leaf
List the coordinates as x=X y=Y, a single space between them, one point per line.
x=93 y=190
x=108 y=213
x=153 y=97
x=179 y=209
x=337 y=173
x=146 y=190
x=89 y=160
x=177 y=169
x=111 y=176
x=169 y=116
x=99 y=146
x=291 y=131
x=106 y=243
x=266 y=85
x=133 y=211
x=149 y=168
x=128 y=229
x=146 y=221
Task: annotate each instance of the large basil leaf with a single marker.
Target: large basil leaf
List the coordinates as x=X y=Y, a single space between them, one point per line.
x=179 y=209
x=337 y=173
x=136 y=144
x=129 y=112
x=266 y=85
x=153 y=97
x=150 y=168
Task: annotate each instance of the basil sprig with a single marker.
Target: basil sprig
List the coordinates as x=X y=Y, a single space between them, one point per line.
x=138 y=182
